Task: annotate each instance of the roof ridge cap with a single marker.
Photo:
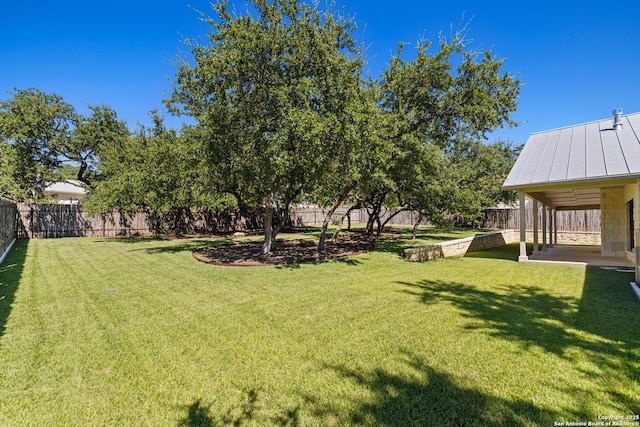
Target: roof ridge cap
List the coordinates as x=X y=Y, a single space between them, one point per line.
x=580 y=124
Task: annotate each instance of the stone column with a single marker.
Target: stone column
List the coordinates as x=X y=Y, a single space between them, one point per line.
x=523 y=225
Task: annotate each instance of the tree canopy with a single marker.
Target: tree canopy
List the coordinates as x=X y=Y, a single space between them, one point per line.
x=280 y=100
x=282 y=115
x=270 y=94
x=33 y=125
x=39 y=132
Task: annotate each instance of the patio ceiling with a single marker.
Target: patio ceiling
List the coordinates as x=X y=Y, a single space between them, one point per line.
x=569 y=199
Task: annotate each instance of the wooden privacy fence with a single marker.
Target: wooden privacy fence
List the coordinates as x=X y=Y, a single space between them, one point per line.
x=7 y=224
x=45 y=221
x=71 y=221
x=499 y=219
x=315 y=216
x=48 y=221
x=505 y=219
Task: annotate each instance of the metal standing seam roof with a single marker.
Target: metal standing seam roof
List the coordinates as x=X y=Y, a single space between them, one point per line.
x=565 y=168
x=587 y=152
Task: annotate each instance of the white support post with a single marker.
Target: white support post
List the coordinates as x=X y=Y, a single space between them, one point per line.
x=551 y=211
x=544 y=227
x=536 y=247
x=523 y=226
x=555 y=227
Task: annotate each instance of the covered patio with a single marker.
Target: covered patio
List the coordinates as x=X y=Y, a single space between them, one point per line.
x=580 y=255
x=594 y=165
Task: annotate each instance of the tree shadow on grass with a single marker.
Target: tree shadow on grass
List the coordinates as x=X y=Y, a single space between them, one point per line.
x=423 y=396
x=525 y=314
x=346 y=260
x=188 y=246
x=609 y=309
x=602 y=326
x=247 y=411
x=10 y=273
x=197 y=416
x=127 y=240
x=180 y=245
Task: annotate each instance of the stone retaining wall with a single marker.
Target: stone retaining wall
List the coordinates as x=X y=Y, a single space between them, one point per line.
x=480 y=242
x=459 y=247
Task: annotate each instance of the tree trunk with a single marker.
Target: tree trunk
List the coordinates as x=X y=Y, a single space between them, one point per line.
x=327 y=218
x=267 y=244
x=325 y=225
x=270 y=207
x=83 y=168
x=386 y=221
x=374 y=217
x=339 y=227
x=415 y=227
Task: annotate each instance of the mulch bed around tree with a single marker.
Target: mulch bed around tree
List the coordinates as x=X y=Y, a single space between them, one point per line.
x=285 y=252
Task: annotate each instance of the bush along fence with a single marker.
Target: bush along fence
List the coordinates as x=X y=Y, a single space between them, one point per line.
x=8 y=220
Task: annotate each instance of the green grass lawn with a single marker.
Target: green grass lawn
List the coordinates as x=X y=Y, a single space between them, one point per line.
x=97 y=332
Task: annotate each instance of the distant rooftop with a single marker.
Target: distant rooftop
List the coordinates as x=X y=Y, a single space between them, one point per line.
x=68 y=186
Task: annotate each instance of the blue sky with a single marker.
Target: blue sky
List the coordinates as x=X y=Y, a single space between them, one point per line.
x=578 y=60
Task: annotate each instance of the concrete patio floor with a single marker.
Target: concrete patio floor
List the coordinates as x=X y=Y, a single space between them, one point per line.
x=579 y=255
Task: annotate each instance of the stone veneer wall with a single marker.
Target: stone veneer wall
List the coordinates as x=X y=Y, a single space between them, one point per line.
x=631 y=193
x=459 y=246
x=614 y=221
x=571 y=237
x=480 y=242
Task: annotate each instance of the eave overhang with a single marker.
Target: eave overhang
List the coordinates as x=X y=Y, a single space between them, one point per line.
x=577 y=194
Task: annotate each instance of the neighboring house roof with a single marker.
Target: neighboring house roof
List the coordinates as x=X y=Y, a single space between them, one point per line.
x=67 y=192
x=68 y=186
x=566 y=167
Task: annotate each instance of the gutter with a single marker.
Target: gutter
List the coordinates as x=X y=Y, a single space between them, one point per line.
x=575 y=183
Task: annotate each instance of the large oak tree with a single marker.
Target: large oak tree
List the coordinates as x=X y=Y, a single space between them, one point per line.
x=270 y=94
